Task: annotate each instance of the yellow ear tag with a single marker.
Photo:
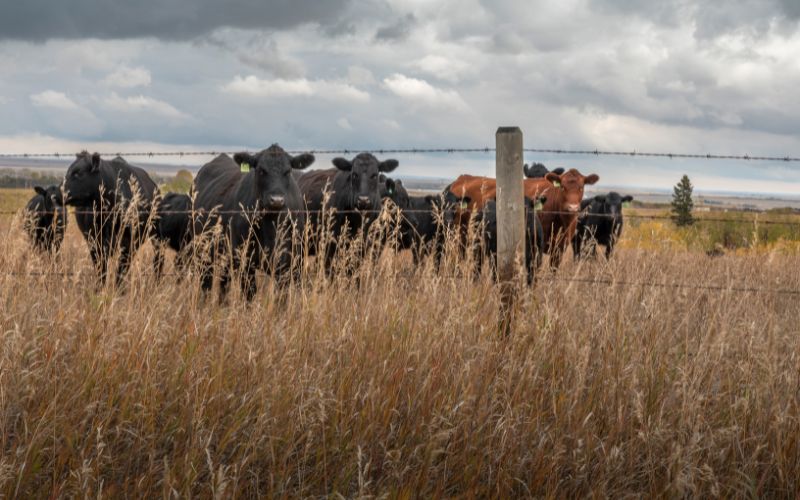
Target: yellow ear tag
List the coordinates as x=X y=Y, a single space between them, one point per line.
x=538 y=205
x=245 y=167
x=556 y=184
x=464 y=205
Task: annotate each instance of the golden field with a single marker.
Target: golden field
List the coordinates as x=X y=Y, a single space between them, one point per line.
x=395 y=383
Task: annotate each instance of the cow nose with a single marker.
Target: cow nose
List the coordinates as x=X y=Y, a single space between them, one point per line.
x=573 y=207
x=363 y=202
x=277 y=202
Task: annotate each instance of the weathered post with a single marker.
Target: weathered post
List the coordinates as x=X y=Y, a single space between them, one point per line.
x=510 y=219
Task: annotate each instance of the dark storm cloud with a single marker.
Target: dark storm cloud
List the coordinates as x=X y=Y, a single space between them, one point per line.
x=38 y=20
x=398 y=30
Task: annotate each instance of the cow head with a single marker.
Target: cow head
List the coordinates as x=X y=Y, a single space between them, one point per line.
x=83 y=180
x=537 y=170
x=361 y=184
x=272 y=173
x=571 y=185
x=52 y=199
x=394 y=190
x=610 y=204
x=455 y=208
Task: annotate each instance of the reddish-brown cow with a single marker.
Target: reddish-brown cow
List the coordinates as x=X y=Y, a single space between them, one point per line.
x=559 y=215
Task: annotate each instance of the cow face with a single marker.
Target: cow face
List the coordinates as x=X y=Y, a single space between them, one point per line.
x=272 y=171
x=394 y=190
x=83 y=180
x=51 y=197
x=572 y=183
x=362 y=186
x=611 y=204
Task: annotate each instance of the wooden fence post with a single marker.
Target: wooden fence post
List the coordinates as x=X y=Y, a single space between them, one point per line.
x=510 y=219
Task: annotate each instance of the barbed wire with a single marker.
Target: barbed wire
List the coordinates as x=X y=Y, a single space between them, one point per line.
x=423 y=150
x=466 y=276
x=199 y=213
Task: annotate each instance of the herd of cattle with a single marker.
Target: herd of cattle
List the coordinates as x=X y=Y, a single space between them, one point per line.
x=260 y=201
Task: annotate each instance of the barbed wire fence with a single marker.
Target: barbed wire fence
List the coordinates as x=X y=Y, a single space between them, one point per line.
x=424 y=150
x=470 y=150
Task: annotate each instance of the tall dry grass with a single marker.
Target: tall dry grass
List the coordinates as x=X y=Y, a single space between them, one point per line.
x=395 y=382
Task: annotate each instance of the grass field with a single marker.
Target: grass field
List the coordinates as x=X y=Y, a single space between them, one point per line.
x=395 y=383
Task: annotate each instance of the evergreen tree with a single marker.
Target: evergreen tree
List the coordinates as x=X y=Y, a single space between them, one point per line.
x=682 y=202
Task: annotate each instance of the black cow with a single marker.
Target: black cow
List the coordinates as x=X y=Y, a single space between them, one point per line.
x=355 y=194
x=429 y=217
x=46 y=218
x=174 y=227
x=257 y=201
x=534 y=236
x=600 y=222
x=113 y=201
x=537 y=170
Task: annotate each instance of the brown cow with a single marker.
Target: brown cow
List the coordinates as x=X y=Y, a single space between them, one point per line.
x=559 y=214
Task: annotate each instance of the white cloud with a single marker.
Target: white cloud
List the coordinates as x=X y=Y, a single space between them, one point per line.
x=252 y=86
x=344 y=123
x=420 y=91
x=126 y=77
x=140 y=104
x=444 y=68
x=53 y=99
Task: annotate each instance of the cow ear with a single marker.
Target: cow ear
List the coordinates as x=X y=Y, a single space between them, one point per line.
x=40 y=190
x=95 y=162
x=525 y=170
x=302 y=161
x=388 y=165
x=342 y=164
x=245 y=158
x=627 y=199
x=591 y=179
x=559 y=170
x=553 y=177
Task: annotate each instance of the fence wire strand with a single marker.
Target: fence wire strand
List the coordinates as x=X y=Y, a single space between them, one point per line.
x=587 y=281
x=424 y=150
x=213 y=213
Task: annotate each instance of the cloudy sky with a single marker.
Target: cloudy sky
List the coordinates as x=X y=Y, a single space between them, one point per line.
x=669 y=75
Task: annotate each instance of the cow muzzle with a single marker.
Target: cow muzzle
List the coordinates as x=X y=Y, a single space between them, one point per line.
x=276 y=202
x=573 y=208
x=363 y=203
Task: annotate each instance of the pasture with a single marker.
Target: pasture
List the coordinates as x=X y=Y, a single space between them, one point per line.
x=394 y=381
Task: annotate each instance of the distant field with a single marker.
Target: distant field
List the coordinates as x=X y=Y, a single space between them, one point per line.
x=679 y=380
